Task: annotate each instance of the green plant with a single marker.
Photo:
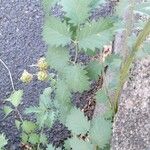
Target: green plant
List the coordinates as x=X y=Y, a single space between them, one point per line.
x=73 y=77
x=3 y=141
x=93 y=38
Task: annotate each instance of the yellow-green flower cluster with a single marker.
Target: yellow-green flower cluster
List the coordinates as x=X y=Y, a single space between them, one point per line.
x=42 y=74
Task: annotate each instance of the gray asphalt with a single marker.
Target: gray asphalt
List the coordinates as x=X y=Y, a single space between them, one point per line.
x=20 y=46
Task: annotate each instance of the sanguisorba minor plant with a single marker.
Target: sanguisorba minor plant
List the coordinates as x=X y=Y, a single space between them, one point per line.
x=56 y=110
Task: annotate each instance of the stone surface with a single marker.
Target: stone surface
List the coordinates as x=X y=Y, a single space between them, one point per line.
x=132 y=123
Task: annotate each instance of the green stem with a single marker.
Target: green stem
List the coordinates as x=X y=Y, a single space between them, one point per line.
x=128 y=62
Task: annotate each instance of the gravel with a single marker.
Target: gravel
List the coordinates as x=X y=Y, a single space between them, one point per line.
x=20 y=46
x=132 y=123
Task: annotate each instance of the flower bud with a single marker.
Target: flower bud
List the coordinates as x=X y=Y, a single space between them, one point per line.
x=42 y=75
x=26 y=77
x=42 y=64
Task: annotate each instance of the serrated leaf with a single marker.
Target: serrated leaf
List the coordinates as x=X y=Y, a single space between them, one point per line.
x=57 y=58
x=3 y=141
x=50 y=147
x=121 y=8
x=47 y=5
x=77 y=122
x=78 y=144
x=55 y=32
x=41 y=119
x=62 y=92
x=47 y=91
x=43 y=139
x=96 y=3
x=63 y=112
x=28 y=126
x=100 y=132
x=50 y=119
x=94 y=70
x=32 y=109
x=24 y=137
x=76 y=78
x=143 y=7
x=17 y=123
x=101 y=96
x=16 y=97
x=76 y=10
x=7 y=110
x=62 y=99
x=33 y=138
x=95 y=35
x=114 y=62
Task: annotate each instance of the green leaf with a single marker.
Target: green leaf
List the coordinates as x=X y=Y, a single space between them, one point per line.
x=77 y=122
x=62 y=92
x=143 y=7
x=100 y=132
x=101 y=96
x=95 y=35
x=47 y=91
x=50 y=147
x=41 y=119
x=121 y=8
x=47 y=4
x=7 y=110
x=78 y=144
x=33 y=138
x=32 y=109
x=57 y=58
x=28 y=126
x=43 y=139
x=76 y=78
x=114 y=62
x=94 y=70
x=17 y=123
x=96 y=3
x=55 y=32
x=3 y=141
x=76 y=10
x=62 y=99
x=24 y=137
x=16 y=97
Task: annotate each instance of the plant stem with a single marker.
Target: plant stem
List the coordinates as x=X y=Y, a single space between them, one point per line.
x=128 y=62
x=38 y=146
x=11 y=79
x=20 y=116
x=76 y=53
